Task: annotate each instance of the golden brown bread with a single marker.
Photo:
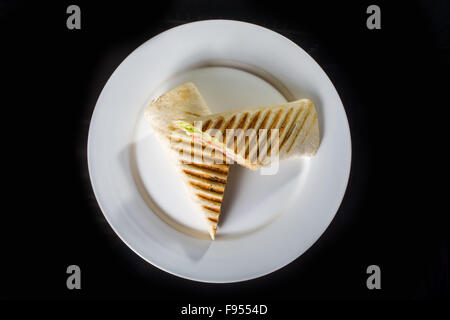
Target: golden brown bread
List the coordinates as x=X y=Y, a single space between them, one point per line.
x=205 y=182
x=255 y=136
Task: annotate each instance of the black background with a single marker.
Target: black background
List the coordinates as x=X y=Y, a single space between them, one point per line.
x=393 y=82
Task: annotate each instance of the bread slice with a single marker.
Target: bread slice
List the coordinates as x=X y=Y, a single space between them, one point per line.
x=205 y=181
x=247 y=136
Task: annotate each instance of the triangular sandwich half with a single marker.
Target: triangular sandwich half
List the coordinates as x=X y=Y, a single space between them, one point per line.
x=247 y=135
x=205 y=181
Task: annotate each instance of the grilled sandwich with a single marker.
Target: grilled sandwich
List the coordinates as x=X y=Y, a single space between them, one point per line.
x=254 y=137
x=205 y=181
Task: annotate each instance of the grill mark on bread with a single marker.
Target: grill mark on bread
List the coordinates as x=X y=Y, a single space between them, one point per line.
x=174 y=139
x=262 y=125
x=280 y=129
x=299 y=130
x=209 y=198
x=286 y=121
x=214 y=210
x=185 y=142
x=222 y=137
x=216 y=161
x=197 y=155
x=229 y=125
x=274 y=123
x=236 y=138
x=188 y=143
x=216 y=172
x=183 y=138
x=221 y=168
x=213 y=219
x=218 y=123
x=214 y=131
x=251 y=125
x=206 y=125
x=239 y=126
x=192 y=114
x=205 y=187
x=291 y=127
x=310 y=127
x=244 y=128
x=205 y=128
x=242 y=121
x=266 y=118
x=204 y=176
x=253 y=121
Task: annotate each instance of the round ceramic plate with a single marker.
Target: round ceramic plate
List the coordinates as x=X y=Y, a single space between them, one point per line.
x=268 y=218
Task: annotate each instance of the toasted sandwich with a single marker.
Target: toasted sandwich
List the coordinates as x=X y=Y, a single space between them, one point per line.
x=205 y=181
x=253 y=137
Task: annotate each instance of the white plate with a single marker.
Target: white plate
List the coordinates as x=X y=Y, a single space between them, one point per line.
x=267 y=220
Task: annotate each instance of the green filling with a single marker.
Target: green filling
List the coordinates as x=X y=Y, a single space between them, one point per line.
x=187 y=127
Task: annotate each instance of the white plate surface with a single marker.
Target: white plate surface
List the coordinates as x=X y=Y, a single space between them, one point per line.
x=267 y=220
